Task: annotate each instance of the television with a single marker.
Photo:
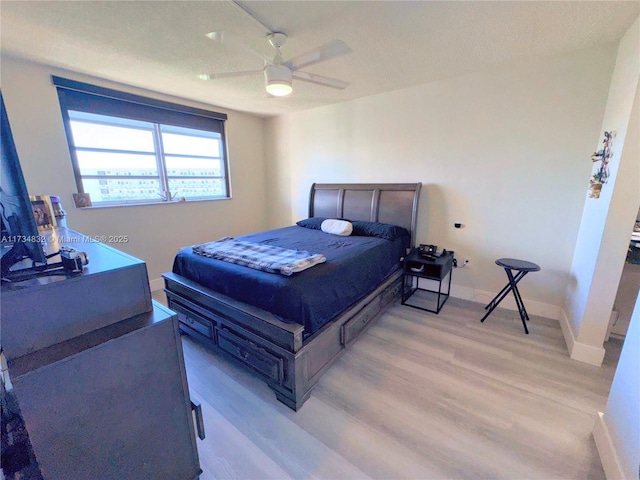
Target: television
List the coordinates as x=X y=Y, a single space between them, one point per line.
x=20 y=236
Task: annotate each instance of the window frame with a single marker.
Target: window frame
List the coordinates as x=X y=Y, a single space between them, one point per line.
x=84 y=97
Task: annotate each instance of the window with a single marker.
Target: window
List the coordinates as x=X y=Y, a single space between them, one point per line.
x=128 y=149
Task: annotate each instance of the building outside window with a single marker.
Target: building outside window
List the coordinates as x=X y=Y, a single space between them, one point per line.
x=127 y=149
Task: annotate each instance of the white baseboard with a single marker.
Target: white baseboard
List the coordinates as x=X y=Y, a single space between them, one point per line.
x=580 y=351
x=533 y=308
x=567 y=330
x=606 y=450
x=156 y=284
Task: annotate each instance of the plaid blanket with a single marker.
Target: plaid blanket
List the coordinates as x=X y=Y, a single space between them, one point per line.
x=267 y=258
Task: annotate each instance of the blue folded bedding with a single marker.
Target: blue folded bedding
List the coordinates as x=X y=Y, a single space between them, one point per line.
x=355 y=266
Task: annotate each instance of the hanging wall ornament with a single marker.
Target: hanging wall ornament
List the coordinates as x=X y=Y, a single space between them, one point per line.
x=600 y=159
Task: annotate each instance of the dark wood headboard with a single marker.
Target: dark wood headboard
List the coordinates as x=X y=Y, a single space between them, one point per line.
x=394 y=203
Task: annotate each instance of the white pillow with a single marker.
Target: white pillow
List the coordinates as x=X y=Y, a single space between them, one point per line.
x=337 y=227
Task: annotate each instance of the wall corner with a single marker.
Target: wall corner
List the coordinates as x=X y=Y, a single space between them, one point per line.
x=607 y=450
x=577 y=350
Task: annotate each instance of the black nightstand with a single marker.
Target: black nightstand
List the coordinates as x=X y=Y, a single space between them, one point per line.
x=415 y=267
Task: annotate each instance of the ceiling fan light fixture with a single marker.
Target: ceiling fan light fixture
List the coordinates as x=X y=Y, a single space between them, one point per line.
x=278 y=89
x=278 y=80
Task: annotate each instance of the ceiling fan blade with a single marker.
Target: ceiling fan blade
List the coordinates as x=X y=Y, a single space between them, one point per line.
x=231 y=41
x=320 y=80
x=213 y=76
x=333 y=49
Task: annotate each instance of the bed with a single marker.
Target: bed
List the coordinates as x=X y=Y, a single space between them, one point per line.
x=290 y=329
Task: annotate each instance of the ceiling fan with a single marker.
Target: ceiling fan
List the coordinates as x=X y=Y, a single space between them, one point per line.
x=279 y=74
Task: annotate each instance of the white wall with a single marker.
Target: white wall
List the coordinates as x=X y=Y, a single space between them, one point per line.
x=617 y=432
x=156 y=232
x=607 y=222
x=505 y=152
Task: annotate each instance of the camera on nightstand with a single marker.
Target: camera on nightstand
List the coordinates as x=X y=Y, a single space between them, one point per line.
x=73 y=261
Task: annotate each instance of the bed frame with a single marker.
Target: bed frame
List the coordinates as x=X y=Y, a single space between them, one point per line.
x=279 y=352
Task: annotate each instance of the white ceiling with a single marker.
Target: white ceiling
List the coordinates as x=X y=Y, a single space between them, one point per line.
x=160 y=45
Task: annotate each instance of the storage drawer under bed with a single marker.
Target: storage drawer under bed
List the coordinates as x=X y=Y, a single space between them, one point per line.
x=352 y=328
x=391 y=294
x=251 y=354
x=193 y=320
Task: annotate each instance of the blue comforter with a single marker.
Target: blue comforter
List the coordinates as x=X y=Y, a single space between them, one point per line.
x=355 y=266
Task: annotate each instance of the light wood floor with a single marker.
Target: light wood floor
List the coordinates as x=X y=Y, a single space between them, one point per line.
x=418 y=395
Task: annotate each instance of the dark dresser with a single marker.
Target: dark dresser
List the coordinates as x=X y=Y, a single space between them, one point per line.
x=96 y=372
